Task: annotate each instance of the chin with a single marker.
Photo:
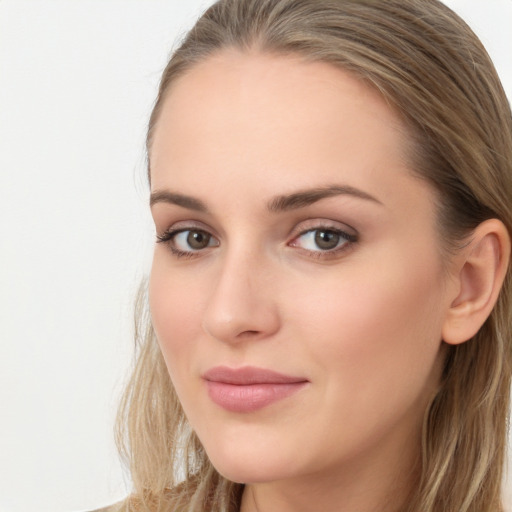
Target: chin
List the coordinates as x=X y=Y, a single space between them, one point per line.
x=251 y=466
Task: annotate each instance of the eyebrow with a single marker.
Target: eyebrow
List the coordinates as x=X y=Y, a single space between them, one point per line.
x=189 y=202
x=280 y=203
x=304 y=198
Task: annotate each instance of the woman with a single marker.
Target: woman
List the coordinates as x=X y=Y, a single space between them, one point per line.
x=330 y=291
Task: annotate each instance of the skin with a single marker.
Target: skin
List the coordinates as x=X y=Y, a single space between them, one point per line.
x=363 y=324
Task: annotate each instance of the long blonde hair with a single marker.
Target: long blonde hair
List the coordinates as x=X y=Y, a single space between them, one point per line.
x=435 y=73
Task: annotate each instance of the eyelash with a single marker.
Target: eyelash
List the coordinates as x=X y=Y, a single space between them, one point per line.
x=346 y=239
x=168 y=237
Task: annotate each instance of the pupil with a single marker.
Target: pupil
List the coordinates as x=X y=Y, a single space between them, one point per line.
x=327 y=239
x=198 y=239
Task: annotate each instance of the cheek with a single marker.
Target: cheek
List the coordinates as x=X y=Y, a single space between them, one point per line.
x=175 y=312
x=375 y=331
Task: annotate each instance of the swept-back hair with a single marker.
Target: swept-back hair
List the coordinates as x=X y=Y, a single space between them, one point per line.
x=434 y=72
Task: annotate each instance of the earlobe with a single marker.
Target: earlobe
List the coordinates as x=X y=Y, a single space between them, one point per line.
x=481 y=270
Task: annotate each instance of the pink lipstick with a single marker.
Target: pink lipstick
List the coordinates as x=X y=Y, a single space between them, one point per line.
x=248 y=388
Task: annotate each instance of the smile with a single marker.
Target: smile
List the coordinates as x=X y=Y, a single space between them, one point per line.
x=248 y=389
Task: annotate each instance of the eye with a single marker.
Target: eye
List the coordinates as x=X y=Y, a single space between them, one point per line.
x=323 y=240
x=183 y=242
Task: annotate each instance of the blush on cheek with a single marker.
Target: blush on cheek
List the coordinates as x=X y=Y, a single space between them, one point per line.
x=166 y=311
x=387 y=315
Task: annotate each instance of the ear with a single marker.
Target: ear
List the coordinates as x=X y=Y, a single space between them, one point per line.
x=481 y=267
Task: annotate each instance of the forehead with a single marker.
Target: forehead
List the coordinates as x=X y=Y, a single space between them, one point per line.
x=254 y=97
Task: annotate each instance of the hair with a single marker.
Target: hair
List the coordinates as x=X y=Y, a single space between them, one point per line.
x=434 y=72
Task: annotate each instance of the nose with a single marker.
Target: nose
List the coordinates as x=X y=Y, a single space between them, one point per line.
x=242 y=305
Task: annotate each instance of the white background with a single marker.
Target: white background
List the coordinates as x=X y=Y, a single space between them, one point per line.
x=77 y=81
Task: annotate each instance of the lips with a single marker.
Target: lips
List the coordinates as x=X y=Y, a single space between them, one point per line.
x=248 y=389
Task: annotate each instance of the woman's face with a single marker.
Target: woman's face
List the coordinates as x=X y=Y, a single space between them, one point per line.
x=297 y=291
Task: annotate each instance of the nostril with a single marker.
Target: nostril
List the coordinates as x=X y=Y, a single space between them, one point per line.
x=248 y=333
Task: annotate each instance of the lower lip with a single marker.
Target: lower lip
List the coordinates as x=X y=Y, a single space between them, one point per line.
x=250 y=397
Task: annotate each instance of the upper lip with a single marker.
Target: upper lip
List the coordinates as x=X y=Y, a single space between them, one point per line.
x=248 y=375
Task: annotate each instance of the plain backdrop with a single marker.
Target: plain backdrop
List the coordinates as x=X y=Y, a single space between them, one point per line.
x=77 y=82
